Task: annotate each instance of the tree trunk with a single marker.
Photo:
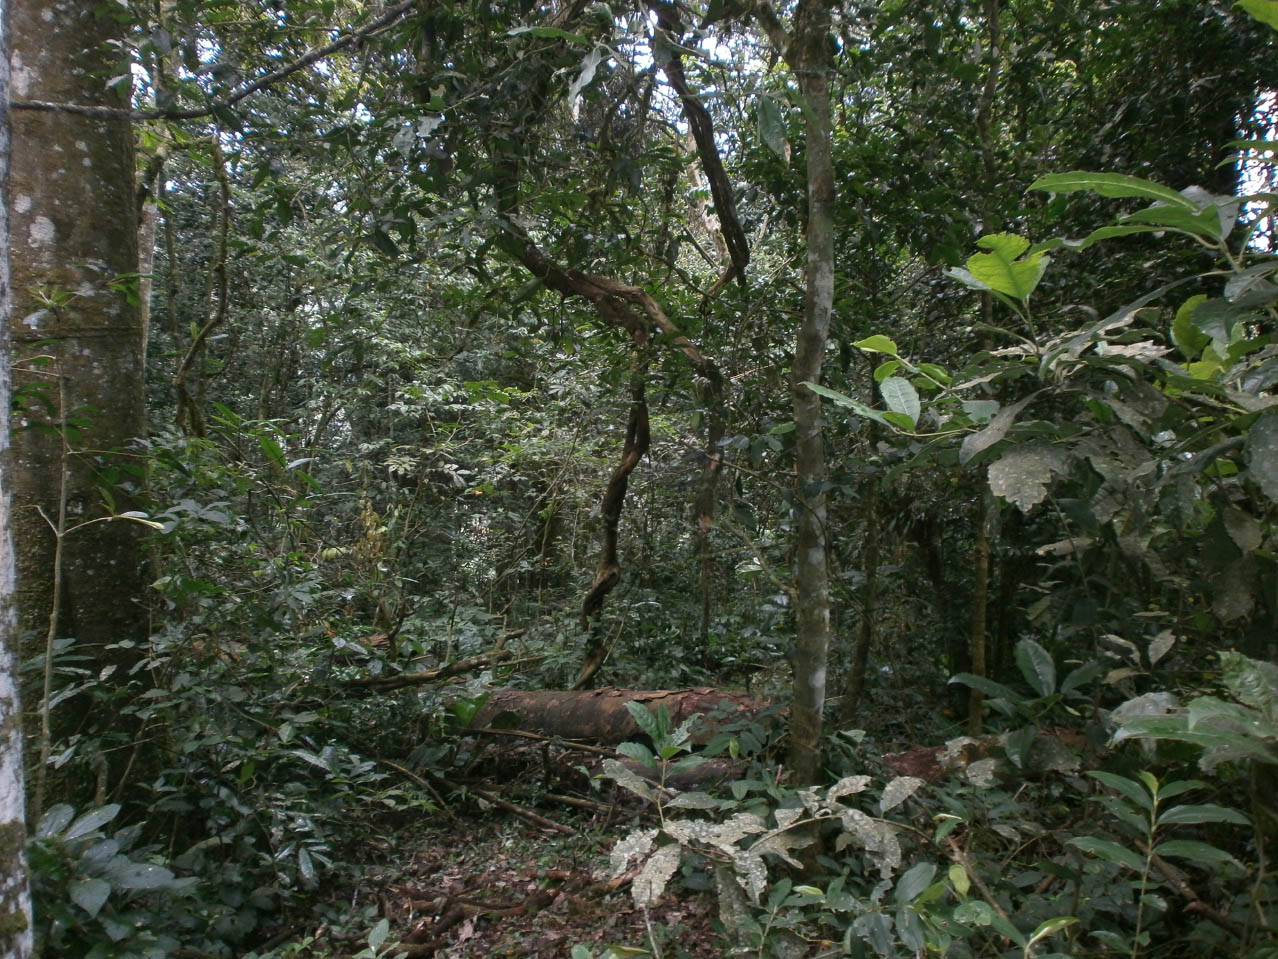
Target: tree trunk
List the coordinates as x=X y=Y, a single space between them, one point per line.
x=15 y=897
x=810 y=60
x=980 y=598
x=74 y=275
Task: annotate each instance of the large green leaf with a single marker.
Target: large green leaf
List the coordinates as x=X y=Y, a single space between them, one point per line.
x=896 y=421
x=913 y=881
x=1252 y=682
x=92 y=820
x=90 y=894
x=1114 y=185
x=1189 y=339
x=878 y=343
x=1001 y=267
x=772 y=127
x=1036 y=665
x=901 y=397
x=988 y=686
x=1197 y=222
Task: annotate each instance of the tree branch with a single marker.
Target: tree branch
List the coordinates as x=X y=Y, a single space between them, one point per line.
x=110 y=113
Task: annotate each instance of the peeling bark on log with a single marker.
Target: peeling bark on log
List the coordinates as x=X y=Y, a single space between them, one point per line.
x=600 y=715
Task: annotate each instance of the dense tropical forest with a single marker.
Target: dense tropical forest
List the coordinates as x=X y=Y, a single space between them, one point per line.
x=675 y=478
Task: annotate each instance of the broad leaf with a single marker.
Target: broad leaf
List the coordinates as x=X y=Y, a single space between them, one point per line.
x=91 y=821
x=877 y=344
x=589 y=64
x=54 y=820
x=1266 y=11
x=1205 y=812
x=1110 y=851
x=890 y=420
x=1000 y=269
x=90 y=894
x=1022 y=474
x=1262 y=454
x=901 y=397
x=1195 y=851
x=1252 y=682
x=1036 y=665
x=897 y=791
x=772 y=127
x=999 y=425
x=913 y=881
x=1205 y=223
x=988 y=686
x=1113 y=185
x=1128 y=787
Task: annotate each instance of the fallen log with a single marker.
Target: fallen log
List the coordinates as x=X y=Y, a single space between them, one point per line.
x=600 y=715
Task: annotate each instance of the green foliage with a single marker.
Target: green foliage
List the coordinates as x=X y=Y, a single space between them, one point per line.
x=103 y=896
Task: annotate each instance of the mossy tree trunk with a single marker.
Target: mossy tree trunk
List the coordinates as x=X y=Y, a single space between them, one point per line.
x=15 y=898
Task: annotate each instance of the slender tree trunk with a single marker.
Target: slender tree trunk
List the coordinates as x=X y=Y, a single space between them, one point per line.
x=811 y=62
x=980 y=602
x=869 y=606
x=15 y=898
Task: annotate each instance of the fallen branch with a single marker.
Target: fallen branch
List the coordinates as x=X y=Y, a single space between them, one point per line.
x=403 y=680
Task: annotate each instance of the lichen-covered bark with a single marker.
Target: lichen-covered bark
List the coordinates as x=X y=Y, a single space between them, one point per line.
x=810 y=60
x=74 y=255
x=15 y=899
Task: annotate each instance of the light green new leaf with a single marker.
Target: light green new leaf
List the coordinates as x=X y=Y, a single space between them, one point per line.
x=1114 y=185
x=1189 y=339
x=886 y=369
x=901 y=397
x=1000 y=269
x=1109 y=851
x=1036 y=665
x=1266 y=11
x=877 y=344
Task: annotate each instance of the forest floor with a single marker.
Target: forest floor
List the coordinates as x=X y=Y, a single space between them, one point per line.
x=499 y=886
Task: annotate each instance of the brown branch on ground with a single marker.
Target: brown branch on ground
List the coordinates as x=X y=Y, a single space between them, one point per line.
x=403 y=680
